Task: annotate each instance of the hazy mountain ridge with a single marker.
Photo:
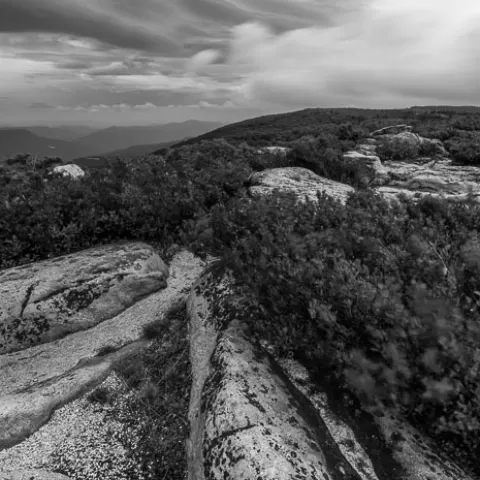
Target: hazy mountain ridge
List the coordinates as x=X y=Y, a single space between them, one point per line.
x=23 y=140
x=63 y=132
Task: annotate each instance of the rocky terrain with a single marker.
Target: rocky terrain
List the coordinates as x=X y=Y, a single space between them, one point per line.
x=66 y=322
x=419 y=176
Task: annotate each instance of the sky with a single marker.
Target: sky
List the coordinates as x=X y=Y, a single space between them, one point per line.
x=125 y=62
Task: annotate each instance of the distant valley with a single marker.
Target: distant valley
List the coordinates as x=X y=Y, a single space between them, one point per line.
x=70 y=143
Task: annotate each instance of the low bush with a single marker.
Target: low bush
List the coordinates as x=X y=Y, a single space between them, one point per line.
x=146 y=199
x=386 y=296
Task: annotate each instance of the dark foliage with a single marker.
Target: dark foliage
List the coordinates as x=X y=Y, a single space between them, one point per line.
x=387 y=297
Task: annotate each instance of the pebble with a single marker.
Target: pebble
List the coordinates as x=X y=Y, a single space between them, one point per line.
x=84 y=440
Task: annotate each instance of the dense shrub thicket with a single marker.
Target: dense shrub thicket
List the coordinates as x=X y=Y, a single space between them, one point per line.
x=387 y=296
x=147 y=199
x=458 y=127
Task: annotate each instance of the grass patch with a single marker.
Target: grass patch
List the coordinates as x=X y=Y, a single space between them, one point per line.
x=99 y=395
x=105 y=350
x=160 y=378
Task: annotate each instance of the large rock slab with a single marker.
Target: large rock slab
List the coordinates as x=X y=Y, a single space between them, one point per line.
x=439 y=178
x=32 y=475
x=301 y=182
x=97 y=435
x=246 y=421
x=43 y=301
x=37 y=380
x=256 y=416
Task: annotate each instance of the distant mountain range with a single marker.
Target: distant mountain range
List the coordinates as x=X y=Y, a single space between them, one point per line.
x=109 y=159
x=70 y=143
x=63 y=132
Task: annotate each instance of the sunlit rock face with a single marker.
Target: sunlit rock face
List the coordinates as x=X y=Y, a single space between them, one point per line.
x=300 y=182
x=76 y=316
x=253 y=415
x=47 y=300
x=71 y=170
x=415 y=176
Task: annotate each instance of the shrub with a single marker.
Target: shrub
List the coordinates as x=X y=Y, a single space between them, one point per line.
x=385 y=298
x=105 y=350
x=378 y=293
x=397 y=148
x=99 y=395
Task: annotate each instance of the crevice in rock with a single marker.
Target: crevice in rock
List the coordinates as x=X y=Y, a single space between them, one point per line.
x=216 y=441
x=28 y=295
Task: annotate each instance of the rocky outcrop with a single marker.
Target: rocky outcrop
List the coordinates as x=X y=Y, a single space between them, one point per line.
x=256 y=416
x=415 y=177
x=439 y=178
x=274 y=150
x=37 y=380
x=71 y=170
x=367 y=165
x=32 y=475
x=300 y=182
x=408 y=145
x=245 y=422
x=47 y=300
x=392 y=130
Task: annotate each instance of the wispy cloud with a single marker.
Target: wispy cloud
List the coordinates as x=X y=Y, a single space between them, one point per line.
x=233 y=57
x=41 y=105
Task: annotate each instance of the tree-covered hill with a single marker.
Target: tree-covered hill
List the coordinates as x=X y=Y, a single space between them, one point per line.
x=458 y=127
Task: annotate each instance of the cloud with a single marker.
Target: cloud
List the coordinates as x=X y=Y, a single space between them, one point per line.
x=112 y=57
x=205 y=104
x=40 y=105
x=394 y=53
x=104 y=107
x=94 y=19
x=201 y=60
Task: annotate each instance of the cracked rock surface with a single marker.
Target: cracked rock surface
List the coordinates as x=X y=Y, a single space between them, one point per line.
x=39 y=380
x=256 y=416
x=303 y=183
x=44 y=301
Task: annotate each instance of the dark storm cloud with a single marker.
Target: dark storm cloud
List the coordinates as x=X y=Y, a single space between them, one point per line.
x=86 y=19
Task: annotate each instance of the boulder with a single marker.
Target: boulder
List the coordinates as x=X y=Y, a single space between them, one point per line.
x=408 y=145
x=71 y=170
x=368 y=166
x=253 y=415
x=301 y=182
x=46 y=300
x=37 y=380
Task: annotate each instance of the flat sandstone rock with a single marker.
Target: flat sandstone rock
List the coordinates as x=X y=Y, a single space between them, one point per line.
x=44 y=301
x=301 y=182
